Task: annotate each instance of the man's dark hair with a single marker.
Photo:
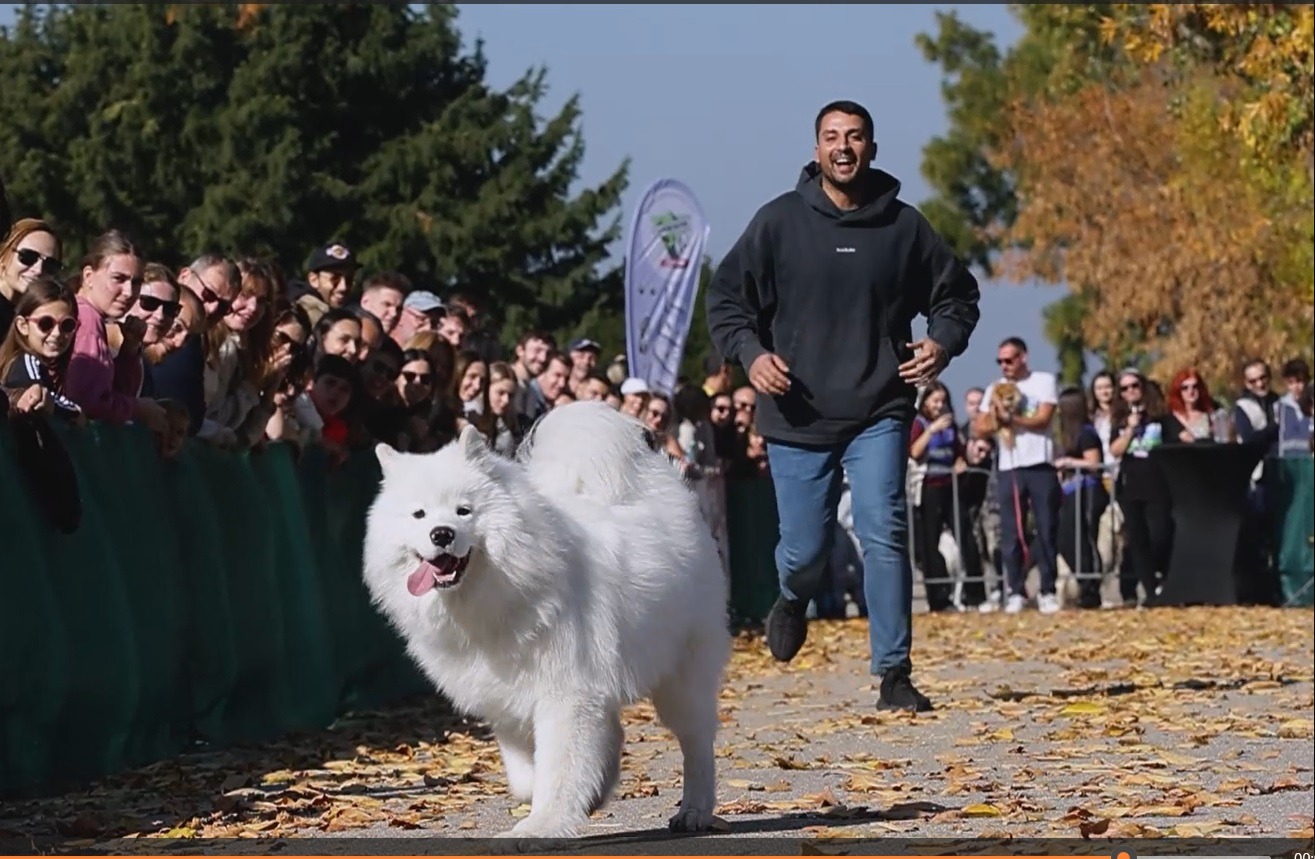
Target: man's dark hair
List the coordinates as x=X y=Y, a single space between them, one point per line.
x=558 y=356
x=850 y=108
x=1017 y=342
x=537 y=334
x=1297 y=368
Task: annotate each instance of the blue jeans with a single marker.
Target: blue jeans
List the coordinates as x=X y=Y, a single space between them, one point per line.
x=1037 y=488
x=808 y=483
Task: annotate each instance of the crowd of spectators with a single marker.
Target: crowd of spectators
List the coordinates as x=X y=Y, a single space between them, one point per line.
x=229 y=352
x=226 y=351
x=1011 y=480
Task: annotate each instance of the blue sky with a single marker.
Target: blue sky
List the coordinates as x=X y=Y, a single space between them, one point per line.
x=722 y=97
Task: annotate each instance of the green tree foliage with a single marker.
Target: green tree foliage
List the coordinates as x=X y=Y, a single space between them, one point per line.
x=271 y=129
x=1001 y=172
x=974 y=199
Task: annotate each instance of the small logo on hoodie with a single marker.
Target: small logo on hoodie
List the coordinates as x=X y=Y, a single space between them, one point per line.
x=844 y=250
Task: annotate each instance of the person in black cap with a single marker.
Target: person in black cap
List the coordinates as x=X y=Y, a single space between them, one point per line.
x=329 y=273
x=584 y=358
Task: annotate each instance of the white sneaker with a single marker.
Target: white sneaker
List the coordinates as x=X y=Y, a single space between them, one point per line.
x=1015 y=603
x=1047 y=603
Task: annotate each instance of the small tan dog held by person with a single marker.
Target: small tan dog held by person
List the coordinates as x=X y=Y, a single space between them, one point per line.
x=1005 y=398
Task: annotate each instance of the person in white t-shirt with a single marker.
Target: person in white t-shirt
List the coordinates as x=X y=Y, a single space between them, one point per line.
x=1027 y=477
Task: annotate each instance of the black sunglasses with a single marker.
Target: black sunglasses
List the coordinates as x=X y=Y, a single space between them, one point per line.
x=416 y=378
x=150 y=304
x=46 y=324
x=29 y=257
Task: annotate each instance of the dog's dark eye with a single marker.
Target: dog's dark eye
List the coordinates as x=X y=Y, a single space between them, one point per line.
x=419 y=514
x=463 y=511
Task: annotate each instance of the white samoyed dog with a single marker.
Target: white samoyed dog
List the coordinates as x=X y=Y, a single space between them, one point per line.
x=545 y=594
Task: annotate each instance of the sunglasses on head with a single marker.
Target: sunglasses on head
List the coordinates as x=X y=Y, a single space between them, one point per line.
x=28 y=257
x=416 y=378
x=46 y=324
x=150 y=304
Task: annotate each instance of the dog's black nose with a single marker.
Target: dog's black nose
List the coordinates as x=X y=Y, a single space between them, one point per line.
x=442 y=536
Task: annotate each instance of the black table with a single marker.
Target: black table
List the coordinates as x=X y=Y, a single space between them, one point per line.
x=1208 y=487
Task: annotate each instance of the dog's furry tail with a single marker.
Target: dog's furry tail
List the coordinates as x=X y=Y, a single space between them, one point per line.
x=591 y=449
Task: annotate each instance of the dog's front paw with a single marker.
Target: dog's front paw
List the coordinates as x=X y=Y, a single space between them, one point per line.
x=693 y=820
x=541 y=828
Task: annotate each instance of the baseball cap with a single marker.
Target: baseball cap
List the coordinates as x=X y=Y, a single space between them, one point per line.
x=584 y=344
x=332 y=255
x=423 y=301
x=634 y=385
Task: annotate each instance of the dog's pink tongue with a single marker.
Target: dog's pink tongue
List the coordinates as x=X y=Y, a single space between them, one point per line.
x=422 y=579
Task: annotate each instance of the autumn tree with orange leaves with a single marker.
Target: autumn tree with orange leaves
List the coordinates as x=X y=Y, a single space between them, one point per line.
x=1140 y=206
x=1154 y=158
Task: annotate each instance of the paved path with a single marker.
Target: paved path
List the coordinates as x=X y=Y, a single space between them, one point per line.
x=1193 y=722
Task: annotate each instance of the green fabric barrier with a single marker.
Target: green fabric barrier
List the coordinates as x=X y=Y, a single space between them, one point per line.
x=751 y=532
x=217 y=597
x=1291 y=490
x=35 y=662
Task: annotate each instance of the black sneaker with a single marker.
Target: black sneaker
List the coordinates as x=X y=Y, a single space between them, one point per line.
x=899 y=693
x=787 y=628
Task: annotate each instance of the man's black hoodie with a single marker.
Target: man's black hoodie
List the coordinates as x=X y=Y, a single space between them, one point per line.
x=834 y=294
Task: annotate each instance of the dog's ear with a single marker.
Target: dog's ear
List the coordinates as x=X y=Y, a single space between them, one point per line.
x=472 y=443
x=387 y=457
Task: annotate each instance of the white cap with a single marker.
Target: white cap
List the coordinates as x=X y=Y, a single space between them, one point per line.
x=634 y=386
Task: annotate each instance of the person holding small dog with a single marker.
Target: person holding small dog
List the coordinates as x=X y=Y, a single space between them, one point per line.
x=816 y=301
x=1027 y=478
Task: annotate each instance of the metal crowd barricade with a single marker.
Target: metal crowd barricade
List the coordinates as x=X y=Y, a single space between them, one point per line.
x=920 y=472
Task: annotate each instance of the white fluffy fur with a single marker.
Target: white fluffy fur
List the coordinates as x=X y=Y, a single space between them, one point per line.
x=593 y=583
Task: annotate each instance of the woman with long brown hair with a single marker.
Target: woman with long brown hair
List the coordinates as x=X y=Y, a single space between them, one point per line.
x=936 y=444
x=239 y=401
x=31 y=248
x=34 y=354
x=1083 y=495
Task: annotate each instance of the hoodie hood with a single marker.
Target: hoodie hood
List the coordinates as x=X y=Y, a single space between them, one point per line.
x=810 y=188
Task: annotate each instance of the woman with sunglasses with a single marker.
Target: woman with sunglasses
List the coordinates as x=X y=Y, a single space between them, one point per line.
x=148 y=320
x=1191 y=403
x=239 y=401
x=34 y=354
x=1142 y=422
x=30 y=249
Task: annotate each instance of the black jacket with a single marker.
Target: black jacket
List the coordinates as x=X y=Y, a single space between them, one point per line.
x=834 y=294
x=180 y=376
